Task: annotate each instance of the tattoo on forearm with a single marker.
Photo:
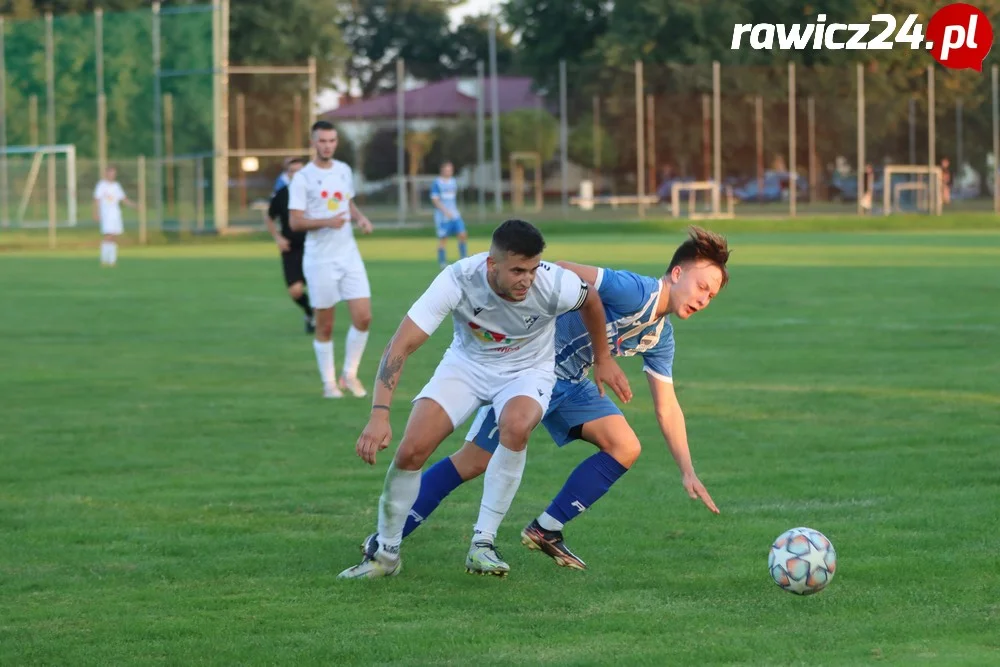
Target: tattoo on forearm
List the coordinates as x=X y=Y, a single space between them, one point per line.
x=388 y=370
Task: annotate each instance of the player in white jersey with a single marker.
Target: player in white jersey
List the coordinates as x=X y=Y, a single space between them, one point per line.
x=321 y=203
x=504 y=304
x=108 y=198
x=637 y=309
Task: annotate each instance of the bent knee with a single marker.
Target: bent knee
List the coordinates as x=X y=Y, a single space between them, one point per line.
x=362 y=322
x=515 y=435
x=626 y=451
x=295 y=291
x=411 y=455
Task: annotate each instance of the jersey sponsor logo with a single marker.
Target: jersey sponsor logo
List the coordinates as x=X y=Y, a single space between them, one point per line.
x=489 y=336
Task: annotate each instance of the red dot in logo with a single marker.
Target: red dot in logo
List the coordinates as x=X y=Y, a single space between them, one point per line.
x=959 y=36
x=324 y=194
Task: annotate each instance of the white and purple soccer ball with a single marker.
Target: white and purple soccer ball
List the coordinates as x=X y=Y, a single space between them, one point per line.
x=802 y=561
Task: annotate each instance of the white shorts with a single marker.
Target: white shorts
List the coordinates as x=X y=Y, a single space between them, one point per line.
x=331 y=281
x=461 y=387
x=112 y=226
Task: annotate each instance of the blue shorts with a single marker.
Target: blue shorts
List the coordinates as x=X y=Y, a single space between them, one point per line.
x=573 y=404
x=446 y=228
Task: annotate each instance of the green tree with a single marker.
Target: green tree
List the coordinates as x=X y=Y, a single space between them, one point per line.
x=552 y=30
x=527 y=130
x=378 y=32
x=583 y=148
x=281 y=32
x=470 y=43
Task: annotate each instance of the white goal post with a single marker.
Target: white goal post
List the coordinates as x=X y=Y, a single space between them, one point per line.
x=929 y=194
x=37 y=154
x=692 y=188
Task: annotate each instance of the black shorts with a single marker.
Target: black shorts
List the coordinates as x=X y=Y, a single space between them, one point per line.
x=291 y=263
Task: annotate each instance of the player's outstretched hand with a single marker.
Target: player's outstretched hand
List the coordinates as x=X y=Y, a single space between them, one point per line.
x=283 y=244
x=697 y=491
x=374 y=438
x=610 y=373
x=365 y=225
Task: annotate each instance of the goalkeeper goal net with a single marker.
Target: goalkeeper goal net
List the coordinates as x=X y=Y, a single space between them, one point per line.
x=912 y=188
x=707 y=206
x=38 y=185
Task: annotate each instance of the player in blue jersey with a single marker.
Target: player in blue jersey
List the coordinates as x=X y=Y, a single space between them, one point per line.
x=447 y=220
x=636 y=309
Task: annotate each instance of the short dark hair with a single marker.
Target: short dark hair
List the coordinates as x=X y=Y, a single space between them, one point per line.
x=706 y=245
x=297 y=160
x=518 y=237
x=322 y=125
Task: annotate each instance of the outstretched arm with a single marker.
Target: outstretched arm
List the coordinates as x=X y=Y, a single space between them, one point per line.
x=606 y=369
x=377 y=434
x=423 y=318
x=671 y=420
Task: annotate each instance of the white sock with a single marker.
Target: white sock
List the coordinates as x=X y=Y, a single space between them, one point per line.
x=549 y=522
x=113 y=252
x=105 y=252
x=398 y=495
x=355 y=347
x=324 y=360
x=503 y=476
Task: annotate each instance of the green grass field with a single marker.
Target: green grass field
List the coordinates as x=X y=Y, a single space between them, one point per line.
x=174 y=490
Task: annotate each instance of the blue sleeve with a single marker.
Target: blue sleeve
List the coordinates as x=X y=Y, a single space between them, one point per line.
x=623 y=291
x=659 y=361
x=436 y=188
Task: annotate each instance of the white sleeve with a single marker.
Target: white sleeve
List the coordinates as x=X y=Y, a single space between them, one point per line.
x=443 y=295
x=350 y=182
x=569 y=291
x=120 y=191
x=97 y=191
x=297 y=193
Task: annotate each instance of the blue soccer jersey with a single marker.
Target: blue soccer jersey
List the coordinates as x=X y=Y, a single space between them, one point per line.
x=446 y=190
x=630 y=302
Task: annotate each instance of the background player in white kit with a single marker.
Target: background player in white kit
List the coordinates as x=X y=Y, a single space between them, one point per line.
x=504 y=305
x=108 y=198
x=321 y=203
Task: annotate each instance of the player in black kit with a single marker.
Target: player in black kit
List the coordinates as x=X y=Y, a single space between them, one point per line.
x=292 y=246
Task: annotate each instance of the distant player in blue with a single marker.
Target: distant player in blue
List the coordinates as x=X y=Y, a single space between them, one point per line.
x=636 y=308
x=447 y=220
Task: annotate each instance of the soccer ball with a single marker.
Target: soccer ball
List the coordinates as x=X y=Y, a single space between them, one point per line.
x=802 y=561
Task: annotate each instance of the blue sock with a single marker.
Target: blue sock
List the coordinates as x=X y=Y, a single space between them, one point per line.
x=463 y=249
x=585 y=486
x=435 y=484
x=442 y=257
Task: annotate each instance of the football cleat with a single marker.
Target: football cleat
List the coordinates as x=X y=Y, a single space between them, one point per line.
x=370 y=546
x=353 y=385
x=374 y=565
x=550 y=542
x=484 y=558
x=331 y=391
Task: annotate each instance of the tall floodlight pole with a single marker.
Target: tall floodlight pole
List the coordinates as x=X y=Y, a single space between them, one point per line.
x=495 y=116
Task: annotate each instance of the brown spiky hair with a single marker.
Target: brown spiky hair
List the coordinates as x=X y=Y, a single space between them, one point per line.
x=702 y=244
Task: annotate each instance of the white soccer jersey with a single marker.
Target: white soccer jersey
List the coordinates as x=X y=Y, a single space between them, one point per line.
x=109 y=194
x=323 y=193
x=492 y=330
